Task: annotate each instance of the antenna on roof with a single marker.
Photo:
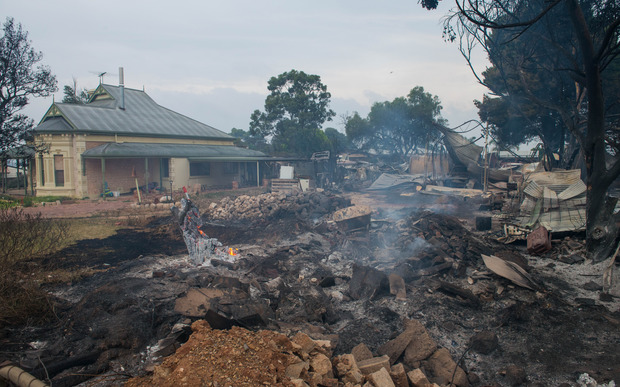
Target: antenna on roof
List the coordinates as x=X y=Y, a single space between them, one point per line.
x=101 y=77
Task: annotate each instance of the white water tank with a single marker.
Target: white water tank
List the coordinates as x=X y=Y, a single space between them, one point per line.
x=286 y=172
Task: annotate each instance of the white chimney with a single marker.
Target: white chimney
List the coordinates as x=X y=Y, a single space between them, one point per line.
x=121 y=84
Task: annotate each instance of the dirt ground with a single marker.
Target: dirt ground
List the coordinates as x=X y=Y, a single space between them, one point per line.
x=121 y=323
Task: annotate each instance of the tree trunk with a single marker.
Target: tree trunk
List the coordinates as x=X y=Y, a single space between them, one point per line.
x=601 y=229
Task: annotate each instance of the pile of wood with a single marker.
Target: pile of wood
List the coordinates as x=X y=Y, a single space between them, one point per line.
x=272 y=205
x=432 y=242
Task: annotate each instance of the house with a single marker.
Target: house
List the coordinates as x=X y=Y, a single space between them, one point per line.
x=121 y=139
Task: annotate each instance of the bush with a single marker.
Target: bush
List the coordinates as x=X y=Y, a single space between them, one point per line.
x=24 y=237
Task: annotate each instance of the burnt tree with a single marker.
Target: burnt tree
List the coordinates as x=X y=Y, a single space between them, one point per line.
x=583 y=49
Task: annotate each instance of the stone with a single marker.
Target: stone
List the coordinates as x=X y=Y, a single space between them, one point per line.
x=420 y=347
x=440 y=369
x=380 y=378
x=515 y=375
x=347 y=370
x=323 y=346
x=399 y=376
x=395 y=347
x=367 y=282
x=295 y=371
x=329 y=382
x=591 y=285
x=397 y=286
x=374 y=364
x=299 y=383
x=304 y=341
x=361 y=352
x=484 y=342
x=321 y=364
x=417 y=378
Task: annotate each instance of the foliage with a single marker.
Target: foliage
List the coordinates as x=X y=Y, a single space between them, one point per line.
x=24 y=237
x=294 y=112
x=245 y=138
x=73 y=97
x=554 y=55
x=19 y=80
x=338 y=141
x=401 y=127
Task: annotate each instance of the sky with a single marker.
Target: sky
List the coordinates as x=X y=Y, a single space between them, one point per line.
x=212 y=60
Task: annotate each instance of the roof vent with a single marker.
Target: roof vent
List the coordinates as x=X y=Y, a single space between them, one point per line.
x=121 y=84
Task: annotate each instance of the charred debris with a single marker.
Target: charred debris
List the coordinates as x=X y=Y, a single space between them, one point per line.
x=378 y=279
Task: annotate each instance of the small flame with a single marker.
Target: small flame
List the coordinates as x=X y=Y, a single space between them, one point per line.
x=232 y=251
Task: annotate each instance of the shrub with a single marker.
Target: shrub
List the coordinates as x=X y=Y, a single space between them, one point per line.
x=24 y=237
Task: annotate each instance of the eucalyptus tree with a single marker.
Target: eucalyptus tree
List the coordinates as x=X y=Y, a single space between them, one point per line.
x=295 y=110
x=570 y=45
x=400 y=127
x=21 y=77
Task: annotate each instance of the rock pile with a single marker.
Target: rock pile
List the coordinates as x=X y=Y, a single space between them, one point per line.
x=271 y=205
x=240 y=357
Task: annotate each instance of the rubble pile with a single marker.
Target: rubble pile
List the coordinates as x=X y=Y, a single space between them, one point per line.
x=431 y=243
x=241 y=357
x=267 y=206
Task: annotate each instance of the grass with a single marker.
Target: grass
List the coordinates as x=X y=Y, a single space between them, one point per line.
x=8 y=201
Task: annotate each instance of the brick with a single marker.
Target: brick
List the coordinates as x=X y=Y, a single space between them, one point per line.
x=369 y=366
x=399 y=376
x=381 y=378
x=417 y=378
x=361 y=352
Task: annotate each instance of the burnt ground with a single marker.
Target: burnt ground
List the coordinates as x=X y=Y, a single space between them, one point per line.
x=303 y=270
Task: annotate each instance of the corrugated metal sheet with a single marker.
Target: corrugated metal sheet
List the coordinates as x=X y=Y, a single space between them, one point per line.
x=555 y=200
x=141 y=117
x=192 y=152
x=574 y=190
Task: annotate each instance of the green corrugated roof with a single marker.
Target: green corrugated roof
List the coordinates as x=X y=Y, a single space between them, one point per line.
x=141 y=117
x=192 y=152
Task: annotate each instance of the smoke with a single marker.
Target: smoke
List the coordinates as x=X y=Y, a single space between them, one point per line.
x=416 y=246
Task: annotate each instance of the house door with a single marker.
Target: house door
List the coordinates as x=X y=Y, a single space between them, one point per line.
x=59 y=171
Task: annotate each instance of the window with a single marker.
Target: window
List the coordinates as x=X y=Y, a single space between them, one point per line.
x=165 y=167
x=42 y=173
x=199 y=169
x=59 y=171
x=231 y=168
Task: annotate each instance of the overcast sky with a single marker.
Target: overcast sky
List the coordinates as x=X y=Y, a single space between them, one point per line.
x=212 y=60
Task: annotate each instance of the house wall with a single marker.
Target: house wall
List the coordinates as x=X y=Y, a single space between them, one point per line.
x=58 y=145
x=83 y=178
x=218 y=177
x=121 y=175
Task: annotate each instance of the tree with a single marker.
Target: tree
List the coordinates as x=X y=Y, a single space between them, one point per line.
x=294 y=113
x=400 y=127
x=578 y=53
x=19 y=80
x=338 y=141
x=72 y=96
x=246 y=139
